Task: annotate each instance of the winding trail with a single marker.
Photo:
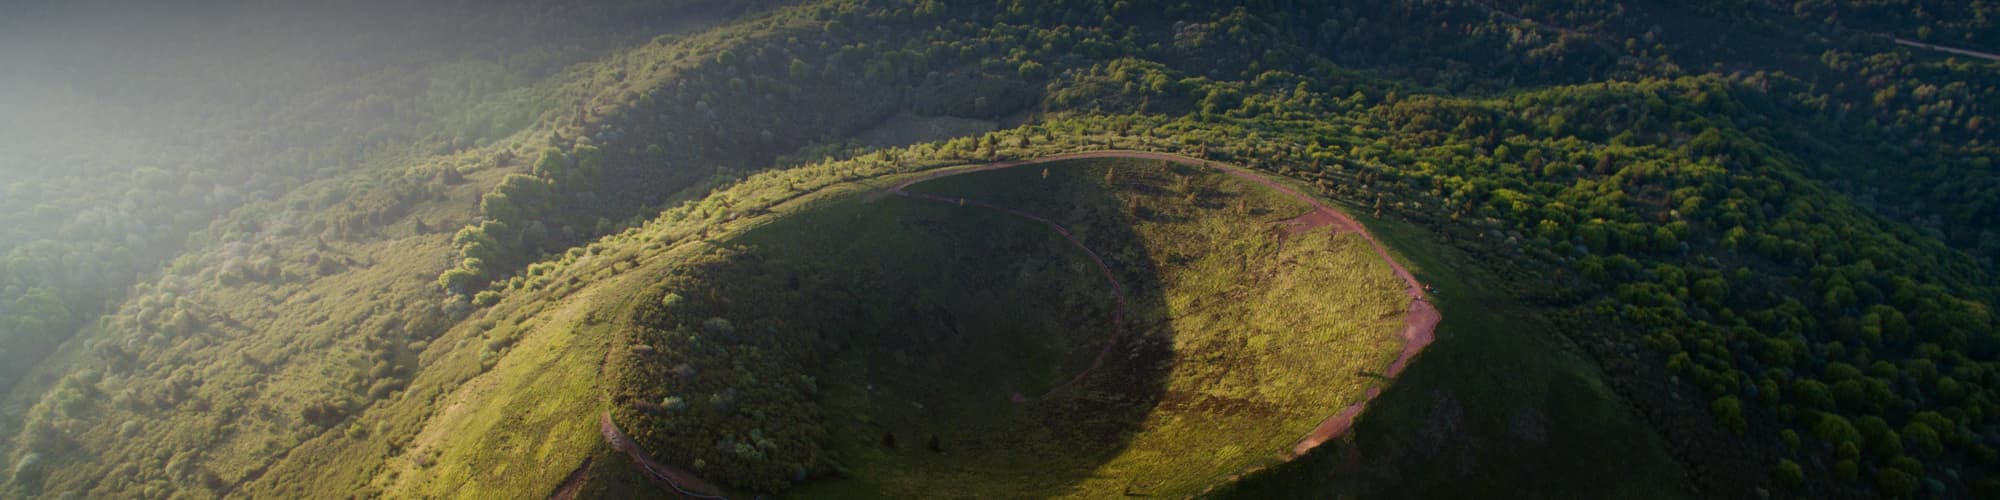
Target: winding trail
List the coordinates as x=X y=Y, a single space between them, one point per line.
x=573 y=485
x=680 y=481
x=1419 y=321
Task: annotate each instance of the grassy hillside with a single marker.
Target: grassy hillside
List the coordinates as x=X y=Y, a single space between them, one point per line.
x=132 y=125
x=1211 y=293
x=1493 y=406
x=1758 y=242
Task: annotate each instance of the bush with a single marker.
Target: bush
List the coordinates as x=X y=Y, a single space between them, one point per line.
x=498 y=341
x=459 y=281
x=486 y=298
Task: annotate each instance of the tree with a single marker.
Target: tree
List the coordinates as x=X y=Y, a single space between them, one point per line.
x=799 y=71
x=40 y=314
x=588 y=163
x=480 y=242
x=1729 y=411
x=1812 y=394
x=1895 y=483
x=460 y=280
x=551 y=164
x=498 y=205
x=1789 y=474
x=1924 y=438
x=1031 y=70
x=1835 y=429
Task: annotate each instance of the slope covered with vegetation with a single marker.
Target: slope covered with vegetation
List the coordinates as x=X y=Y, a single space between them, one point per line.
x=934 y=346
x=1758 y=244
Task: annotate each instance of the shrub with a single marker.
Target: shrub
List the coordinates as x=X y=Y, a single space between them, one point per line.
x=459 y=280
x=498 y=341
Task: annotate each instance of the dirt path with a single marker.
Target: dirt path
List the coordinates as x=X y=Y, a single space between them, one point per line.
x=574 y=484
x=1419 y=322
x=1940 y=48
x=680 y=481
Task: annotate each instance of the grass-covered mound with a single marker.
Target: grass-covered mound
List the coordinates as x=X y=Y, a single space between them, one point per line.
x=882 y=345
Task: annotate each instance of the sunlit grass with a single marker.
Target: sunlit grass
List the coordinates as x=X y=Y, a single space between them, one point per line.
x=1269 y=333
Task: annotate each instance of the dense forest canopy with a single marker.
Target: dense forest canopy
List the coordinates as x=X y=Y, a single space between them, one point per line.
x=248 y=247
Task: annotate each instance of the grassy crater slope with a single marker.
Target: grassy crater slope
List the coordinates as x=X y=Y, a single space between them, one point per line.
x=879 y=345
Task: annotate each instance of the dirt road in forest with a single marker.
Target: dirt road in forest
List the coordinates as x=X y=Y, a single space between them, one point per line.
x=1953 y=50
x=1419 y=322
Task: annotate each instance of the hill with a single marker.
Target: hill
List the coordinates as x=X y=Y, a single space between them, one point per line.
x=1753 y=246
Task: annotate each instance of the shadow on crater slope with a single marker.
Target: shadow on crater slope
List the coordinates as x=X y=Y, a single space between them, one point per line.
x=971 y=340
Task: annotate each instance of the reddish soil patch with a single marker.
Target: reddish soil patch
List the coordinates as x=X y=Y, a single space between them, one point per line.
x=1311 y=220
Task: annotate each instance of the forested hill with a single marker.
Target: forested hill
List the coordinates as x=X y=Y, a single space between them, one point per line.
x=121 y=146
x=258 y=249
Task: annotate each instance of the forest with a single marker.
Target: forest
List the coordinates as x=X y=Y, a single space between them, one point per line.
x=248 y=254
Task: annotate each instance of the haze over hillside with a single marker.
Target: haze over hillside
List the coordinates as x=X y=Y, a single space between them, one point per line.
x=895 y=248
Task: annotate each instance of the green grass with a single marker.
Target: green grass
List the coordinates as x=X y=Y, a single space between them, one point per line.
x=1026 y=310
x=1239 y=340
x=1496 y=407
x=1268 y=338
x=521 y=426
